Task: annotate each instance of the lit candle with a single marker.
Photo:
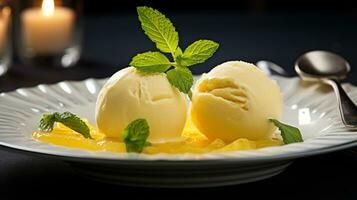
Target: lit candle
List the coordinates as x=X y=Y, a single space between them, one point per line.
x=47 y=30
x=4 y=26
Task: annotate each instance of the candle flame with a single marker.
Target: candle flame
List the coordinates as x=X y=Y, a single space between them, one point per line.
x=48 y=7
x=6 y=11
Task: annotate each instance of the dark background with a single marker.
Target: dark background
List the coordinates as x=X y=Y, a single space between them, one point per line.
x=278 y=30
x=252 y=6
x=249 y=30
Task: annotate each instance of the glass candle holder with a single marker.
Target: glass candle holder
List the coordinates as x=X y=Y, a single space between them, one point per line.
x=49 y=32
x=5 y=37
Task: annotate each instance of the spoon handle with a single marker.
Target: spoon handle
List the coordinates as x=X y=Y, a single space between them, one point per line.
x=348 y=109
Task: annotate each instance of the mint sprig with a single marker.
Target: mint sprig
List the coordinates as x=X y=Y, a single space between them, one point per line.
x=68 y=119
x=290 y=134
x=162 y=32
x=135 y=135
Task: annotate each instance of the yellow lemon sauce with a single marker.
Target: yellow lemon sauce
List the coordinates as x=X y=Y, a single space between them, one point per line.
x=194 y=141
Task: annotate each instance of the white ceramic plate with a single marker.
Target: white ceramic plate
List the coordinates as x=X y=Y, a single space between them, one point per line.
x=311 y=107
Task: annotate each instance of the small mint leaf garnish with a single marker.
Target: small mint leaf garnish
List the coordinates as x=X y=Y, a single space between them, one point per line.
x=290 y=134
x=135 y=135
x=68 y=119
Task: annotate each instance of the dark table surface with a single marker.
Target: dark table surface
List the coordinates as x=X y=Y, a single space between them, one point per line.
x=111 y=41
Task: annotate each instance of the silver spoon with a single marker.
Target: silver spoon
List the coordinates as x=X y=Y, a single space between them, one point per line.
x=329 y=68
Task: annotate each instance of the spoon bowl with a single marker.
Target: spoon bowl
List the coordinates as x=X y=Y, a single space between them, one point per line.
x=322 y=65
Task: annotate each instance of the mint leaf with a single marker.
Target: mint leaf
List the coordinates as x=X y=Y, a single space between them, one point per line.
x=68 y=119
x=289 y=133
x=46 y=123
x=197 y=52
x=159 y=29
x=135 y=135
x=73 y=122
x=151 y=62
x=181 y=78
x=177 y=53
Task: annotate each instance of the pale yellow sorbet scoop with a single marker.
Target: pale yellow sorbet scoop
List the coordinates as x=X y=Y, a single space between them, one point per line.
x=235 y=100
x=129 y=95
